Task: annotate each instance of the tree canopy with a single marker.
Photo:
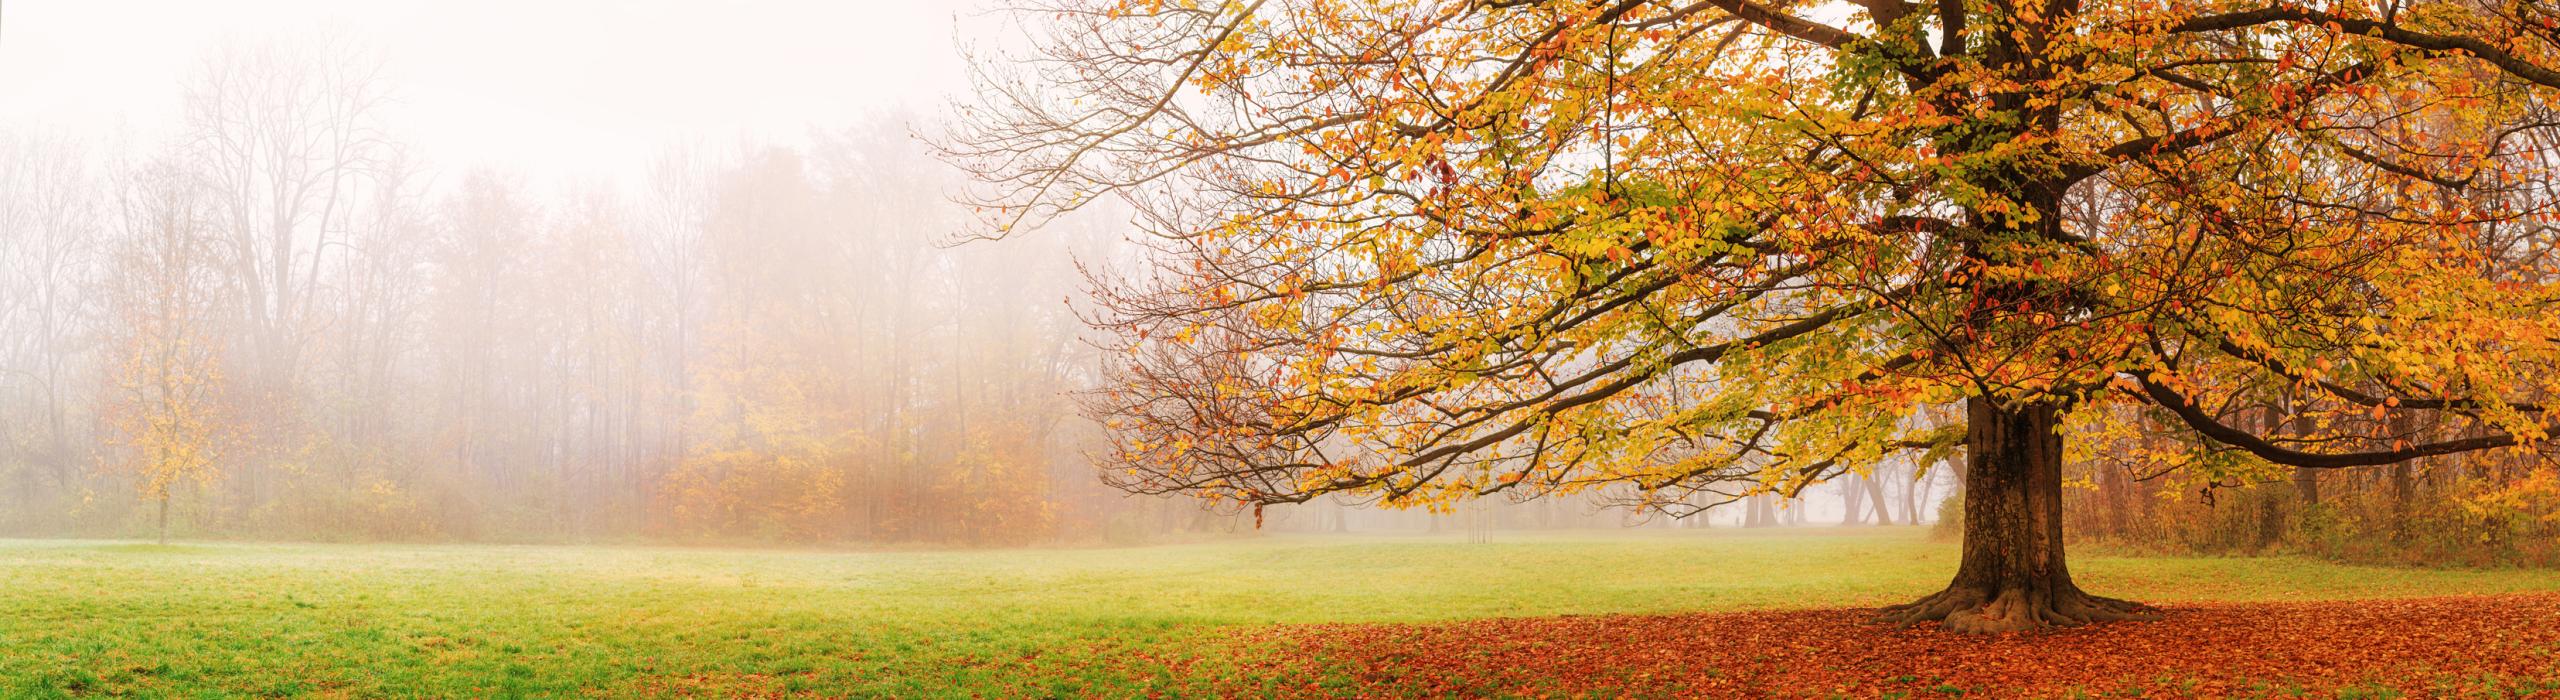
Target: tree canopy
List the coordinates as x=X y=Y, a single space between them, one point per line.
x=1424 y=251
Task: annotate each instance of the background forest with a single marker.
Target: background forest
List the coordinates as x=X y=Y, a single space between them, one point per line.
x=289 y=326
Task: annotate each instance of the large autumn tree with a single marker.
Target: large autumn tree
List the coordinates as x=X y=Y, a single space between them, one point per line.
x=1427 y=250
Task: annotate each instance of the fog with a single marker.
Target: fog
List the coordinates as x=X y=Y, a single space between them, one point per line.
x=549 y=89
x=559 y=271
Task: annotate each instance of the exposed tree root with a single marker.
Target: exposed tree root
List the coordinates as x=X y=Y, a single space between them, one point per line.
x=1974 y=610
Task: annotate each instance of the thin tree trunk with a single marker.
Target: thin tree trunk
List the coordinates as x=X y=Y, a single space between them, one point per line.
x=1875 y=497
x=2306 y=481
x=2112 y=482
x=164 y=519
x=1912 y=494
x=2403 y=485
x=1849 y=493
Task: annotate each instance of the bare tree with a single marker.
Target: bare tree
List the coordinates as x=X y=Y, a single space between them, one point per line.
x=50 y=245
x=288 y=138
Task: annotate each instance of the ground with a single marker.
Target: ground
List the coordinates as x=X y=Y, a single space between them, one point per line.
x=1602 y=614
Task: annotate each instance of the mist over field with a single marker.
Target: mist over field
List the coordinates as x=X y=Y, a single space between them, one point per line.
x=1279 y=348
x=459 y=271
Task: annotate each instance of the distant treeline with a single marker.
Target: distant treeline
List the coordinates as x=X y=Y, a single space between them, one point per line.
x=276 y=322
x=2492 y=508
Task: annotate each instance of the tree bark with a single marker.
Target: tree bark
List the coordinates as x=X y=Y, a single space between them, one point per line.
x=2013 y=575
x=2403 y=484
x=2112 y=482
x=1915 y=491
x=1849 y=494
x=2306 y=480
x=1875 y=497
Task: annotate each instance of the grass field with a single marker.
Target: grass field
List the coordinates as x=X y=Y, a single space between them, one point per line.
x=93 y=618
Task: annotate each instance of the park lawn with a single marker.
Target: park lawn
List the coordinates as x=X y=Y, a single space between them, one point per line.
x=99 y=618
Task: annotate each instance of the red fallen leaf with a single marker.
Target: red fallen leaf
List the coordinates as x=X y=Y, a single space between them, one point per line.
x=2428 y=647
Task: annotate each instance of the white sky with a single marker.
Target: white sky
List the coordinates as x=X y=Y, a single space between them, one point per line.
x=547 y=89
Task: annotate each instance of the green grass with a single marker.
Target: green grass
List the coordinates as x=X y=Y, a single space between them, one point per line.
x=82 y=618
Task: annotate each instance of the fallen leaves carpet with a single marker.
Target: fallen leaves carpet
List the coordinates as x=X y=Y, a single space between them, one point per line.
x=2501 y=646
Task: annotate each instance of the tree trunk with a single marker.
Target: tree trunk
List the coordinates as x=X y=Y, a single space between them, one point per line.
x=2305 y=478
x=1849 y=493
x=164 y=519
x=1875 y=497
x=2403 y=483
x=2112 y=482
x=1915 y=491
x=2013 y=575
